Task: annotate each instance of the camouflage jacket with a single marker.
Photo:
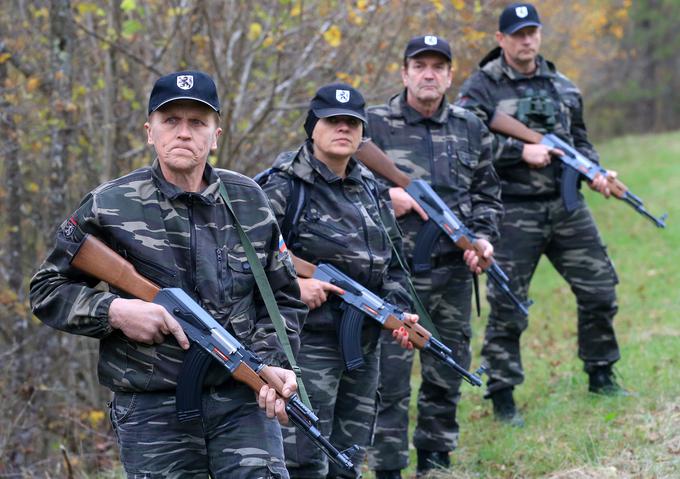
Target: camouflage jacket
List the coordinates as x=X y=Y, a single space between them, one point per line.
x=176 y=239
x=452 y=151
x=344 y=224
x=546 y=101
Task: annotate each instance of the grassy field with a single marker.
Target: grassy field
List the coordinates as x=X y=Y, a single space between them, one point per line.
x=570 y=433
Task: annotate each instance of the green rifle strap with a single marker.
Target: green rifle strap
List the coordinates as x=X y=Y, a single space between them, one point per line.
x=267 y=296
x=425 y=319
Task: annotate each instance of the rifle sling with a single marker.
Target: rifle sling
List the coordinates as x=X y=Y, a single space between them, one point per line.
x=267 y=296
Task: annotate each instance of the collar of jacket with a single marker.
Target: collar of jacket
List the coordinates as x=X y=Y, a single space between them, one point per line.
x=399 y=108
x=208 y=196
x=308 y=168
x=494 y=65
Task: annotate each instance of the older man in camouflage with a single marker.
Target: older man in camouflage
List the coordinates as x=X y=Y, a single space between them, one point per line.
x=515 y=79
x=429 y=138
x=171 y=223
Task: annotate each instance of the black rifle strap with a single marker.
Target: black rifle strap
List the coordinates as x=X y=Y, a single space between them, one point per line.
x=267 y=295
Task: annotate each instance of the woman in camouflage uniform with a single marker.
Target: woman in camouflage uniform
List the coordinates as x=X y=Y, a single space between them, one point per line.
x=342 y=222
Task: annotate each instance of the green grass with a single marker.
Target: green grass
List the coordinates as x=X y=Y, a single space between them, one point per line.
x=570 y=433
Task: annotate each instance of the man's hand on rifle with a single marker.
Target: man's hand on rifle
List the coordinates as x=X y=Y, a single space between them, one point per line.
x=267 y=399
x=145 y=322
x=403 y=203
x=473 y=260
x=314 y=292
x=401 y=335
x=539 y=156
x=601 y=184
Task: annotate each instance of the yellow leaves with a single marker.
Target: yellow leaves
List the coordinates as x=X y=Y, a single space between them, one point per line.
x=333 y=36
x=296 y=9
x=254 y=31
x=354 y=17
x=268 y=40
x=362 y=5
x=4 y=57
x=473 y=36
x=354 y=80
x=458 y=4
x=95 y=417
x=32 y=187
x=32 y=84
x=438 y=5
x=617 y=31
x=393 y=67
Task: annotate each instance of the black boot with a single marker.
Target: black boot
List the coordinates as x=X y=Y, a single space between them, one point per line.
x=601 y=380
x=388 y=474
x=428 y=460
x=504 y=409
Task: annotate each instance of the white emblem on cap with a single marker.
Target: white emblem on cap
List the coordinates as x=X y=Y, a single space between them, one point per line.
x=342 y=96
x=430 y=40
x=521 y=12
x=185 y=82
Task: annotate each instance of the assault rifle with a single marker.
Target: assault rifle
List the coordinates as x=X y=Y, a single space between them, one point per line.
x=376 y=159
x=209 y=341
x=361 y=302
x=577 y=165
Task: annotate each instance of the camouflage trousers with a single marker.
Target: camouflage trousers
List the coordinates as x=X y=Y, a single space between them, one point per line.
x=446 y=293
x=233 y=439
x=572 y=244
x=344 y=402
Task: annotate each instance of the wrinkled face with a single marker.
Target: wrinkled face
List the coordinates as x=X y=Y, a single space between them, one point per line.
x=426 y=77
x=336 y=137
x=520 y=48
x=183 y=132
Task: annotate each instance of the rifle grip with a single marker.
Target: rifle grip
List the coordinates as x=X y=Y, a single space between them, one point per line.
x=349 y=337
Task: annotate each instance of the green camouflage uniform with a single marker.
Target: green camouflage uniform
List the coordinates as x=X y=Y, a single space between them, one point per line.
x=342 y=225
x=185 y=240
x=452 y=151
x=536 y=221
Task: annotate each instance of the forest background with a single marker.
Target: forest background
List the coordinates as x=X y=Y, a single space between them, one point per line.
x=74 y=84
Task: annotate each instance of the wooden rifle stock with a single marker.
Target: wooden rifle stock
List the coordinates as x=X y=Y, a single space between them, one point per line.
x=98 y=260
x=377 y=161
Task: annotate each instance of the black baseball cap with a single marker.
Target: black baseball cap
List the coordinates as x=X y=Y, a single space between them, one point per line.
x=427 y=43
x=338 y=99
x=517 y=16
x=184 y=85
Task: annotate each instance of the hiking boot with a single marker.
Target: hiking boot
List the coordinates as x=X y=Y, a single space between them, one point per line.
x=388 y=474
x=601 y=380
x=504 y=409
x=429 y=460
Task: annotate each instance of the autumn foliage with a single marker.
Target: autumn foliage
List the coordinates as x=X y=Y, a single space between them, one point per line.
x=74 y=82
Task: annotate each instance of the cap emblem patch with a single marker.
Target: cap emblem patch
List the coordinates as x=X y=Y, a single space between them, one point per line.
x=342 y=96
x=430 y=40
x=185 y=82
x=521 y=11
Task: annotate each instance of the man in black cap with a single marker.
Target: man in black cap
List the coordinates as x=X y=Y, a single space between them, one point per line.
x=516 y=80
x=331 y=210
x=448 y=147
x=170 y=221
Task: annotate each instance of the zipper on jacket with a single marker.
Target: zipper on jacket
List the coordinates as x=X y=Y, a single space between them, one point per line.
x=220 y=273
x=366 y=238
x=430 y=155
x=192 y=244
